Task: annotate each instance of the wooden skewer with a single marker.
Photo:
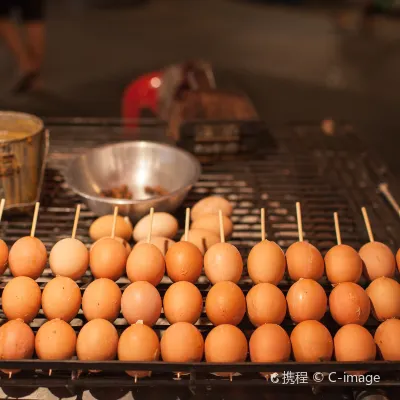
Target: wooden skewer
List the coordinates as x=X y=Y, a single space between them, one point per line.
x=337 y=228
x=50 y=372
x=178 y=375
x=10 y=375
x=35 y=217
x=299 y=222
x=2 y=204
x=151 y=225
x=187 y=220
x=367 y=224
x=135 y=378
x=231 y=377
x=221 y=227
x=263 y=234
x=75 y=227
x=114 y=222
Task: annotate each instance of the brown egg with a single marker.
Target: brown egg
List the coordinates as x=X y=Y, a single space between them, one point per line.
x=269 y=343
x=304 y=261
x=102 y=227
x=387 y=339
x=266 y=263
x=55 y=340
x=226 y=344
x=211 y=205
x=162 y=243
x=102 y=299
x=343 y=264
x=184 y=262
x=378 y=260
x=108 y=259
x=202 y=239
x=183 y=302
x=69 y=257
x=349 y=304
x=211 y=223
x=138 y=343
x=223 y=262
x=164 y=224
x=27 y=257
x=145 y=263
x=311 y=342
x=118 y=239
x=97 y=341
x=141 y=302
x=61 y=299
x=266 y=304
x=17 y=342
x=182 y=342
x=384 y=294
x=306 y=300
x=354 y=343
x=21 y=299
x=3 y=256
x=225 y=304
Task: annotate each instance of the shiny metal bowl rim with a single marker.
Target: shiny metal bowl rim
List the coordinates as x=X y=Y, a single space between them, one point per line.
x=113 y=201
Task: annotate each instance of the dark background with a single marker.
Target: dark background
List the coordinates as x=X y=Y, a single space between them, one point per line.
x=293 y=61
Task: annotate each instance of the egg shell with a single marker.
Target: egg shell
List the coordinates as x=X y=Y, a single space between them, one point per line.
x=266 y=304
x=387 y=339
x=102 y=299
x=226 y=344
x=202 y=239
x=102 y=227
x=184 y=262
x=343 y=264
x=55 y=340
x=225 y=304
x=211 y=223
x=269 y=343
x=108 y=259
x=97 y=341
x=17 y=342
x=304 y=261
x=162 y=243
x=145 y=263
x=61 y=299
x=398 y=259
x=349 y=304
x=183 y=302
x=3 y=256
x=164 y=224
x=306 y=299
x=311 y=342
x=141 y=302
x=182 y=342
x=69 y=257
x=28 y=257
x=223 y=262
x=21 y=299
x=354 y=343
x=118 y=239
x=384 y=294
x=138 y=343
x=211 y=205
x=378 y=260
x=266 y=263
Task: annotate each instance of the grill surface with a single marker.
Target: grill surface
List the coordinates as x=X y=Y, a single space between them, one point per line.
x=324 y=173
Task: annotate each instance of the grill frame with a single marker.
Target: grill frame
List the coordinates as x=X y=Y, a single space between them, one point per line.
x=310 y=168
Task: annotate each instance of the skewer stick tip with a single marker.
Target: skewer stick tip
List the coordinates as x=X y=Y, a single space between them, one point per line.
x=151 y=225
x=50 y=372
x=35 y=217
x=221 y=227
x=337 y=228
x=299 y=222
x=2 y=204
x=114 y=222
x=135 y=378
x=367 y=224
x=263 y=233
x=187 y=220
x=76 y=219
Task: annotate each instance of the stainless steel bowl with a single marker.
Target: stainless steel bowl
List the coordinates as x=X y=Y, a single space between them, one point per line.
x=136 y=164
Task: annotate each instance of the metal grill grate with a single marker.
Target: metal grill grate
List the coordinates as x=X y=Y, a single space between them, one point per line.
x=324 y=173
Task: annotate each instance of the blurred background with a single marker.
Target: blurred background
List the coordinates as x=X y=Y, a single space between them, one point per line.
x=296 y=60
